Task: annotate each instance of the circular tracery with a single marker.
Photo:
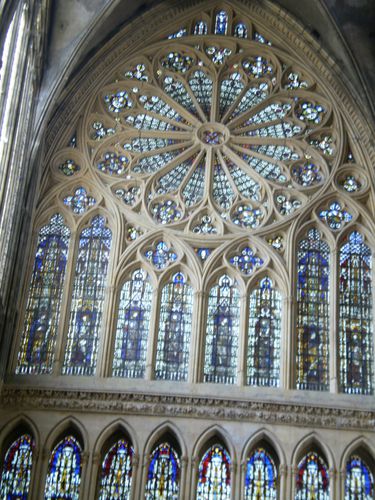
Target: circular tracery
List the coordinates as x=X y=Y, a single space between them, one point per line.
x=214 y=129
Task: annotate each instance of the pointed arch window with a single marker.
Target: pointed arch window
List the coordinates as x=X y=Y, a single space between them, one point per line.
x=240 y=30
x=64 y=470
x=16 y=471
x=200 y=28
x=36 y=354
x=312 y=478
x=214 y=480
x=355 y=316
x=88 y=298
x=261 y=475
x=163 y=477
x=117 y=471
x=175 y=323
x=263 y=355
x=133 y=326
x=222 y=332
x=359 y=481
x=221 y=23
x=312 y=312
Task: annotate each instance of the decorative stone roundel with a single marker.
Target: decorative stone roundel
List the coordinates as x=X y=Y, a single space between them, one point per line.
x=211 y=126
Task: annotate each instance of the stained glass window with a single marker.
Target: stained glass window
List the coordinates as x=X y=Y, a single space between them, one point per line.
x=16 y=471
x=133 y=326
x=312 y=482
x=87 y=298
x=221 y=23
x=359 y=481
x=312 y=312
x=222 y=332
x=116 y=472
x=261 y=476
x=214 y=480
x=175 y=323
x=355 y=316
x=42 y=316
x=64 y=470
x=263 y=355
x=163 y=477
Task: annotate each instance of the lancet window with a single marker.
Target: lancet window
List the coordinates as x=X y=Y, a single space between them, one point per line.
x=133 y=324
x=117 y=471
x=359 y=481
x=16 y=470
x=312 y=480
x=214 y=476
x=88 y=298
x=263 y=355
x=163 y=477
x=261 y=475
x=222 y=332
x=64 y=470
x=42 y=316
x=313 y=312
x=175 y=323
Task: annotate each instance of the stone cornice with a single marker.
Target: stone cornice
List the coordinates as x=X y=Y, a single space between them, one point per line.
x=188 y=406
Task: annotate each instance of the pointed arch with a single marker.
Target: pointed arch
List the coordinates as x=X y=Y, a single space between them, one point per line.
x=359 y=465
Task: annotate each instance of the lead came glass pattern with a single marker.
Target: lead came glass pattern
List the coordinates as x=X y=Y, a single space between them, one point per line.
x=263 y=355
x=16 y=469
x=221 y=354
x=88 y=298
x=117 y=472
x=261 y=476
x=359 y=481
x=312 y=482
x=163 y=477
x=312 y=312
x=175 y=323
x=64 y=471
x=36 y=354
x=132 y=327
x=355 y=316
x=214 y=480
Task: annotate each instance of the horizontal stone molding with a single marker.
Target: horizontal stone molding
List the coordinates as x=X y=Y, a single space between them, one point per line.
x=187 y=406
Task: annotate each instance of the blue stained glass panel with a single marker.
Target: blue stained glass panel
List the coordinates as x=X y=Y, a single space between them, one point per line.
x=175 y=323
x=214 y=481
x=163 y=477
x=220 y=364
x=88 y=298
x=133 y=326
x=359 y=481
x=261 y=476
x=312 y=481
x=36 y=354
x=117 y=472
x=312 y=312
x=64 y=471
x=16 y=469
x=355 y=316
x=221 y=23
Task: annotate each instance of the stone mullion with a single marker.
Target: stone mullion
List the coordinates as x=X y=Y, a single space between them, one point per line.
x=241 y=478
x=233 y=479
x=184 y=493
x=35 y=475
x=134 y=493
x=94 y=475
x=143 y=482
x=341 y=476
x=43 y=471
x=283 y=478
x=242 y=341
x=62 y=332
x=288 y=343
x=333 y=351
x=153 y=334
x=291 y=485
x=107 y=331
x=194 y=477
x=196 y=340
x=333 y=476
x=85 y=485
x=200 y=346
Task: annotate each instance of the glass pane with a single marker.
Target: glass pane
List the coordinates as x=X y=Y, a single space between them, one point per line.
x=42 y=315
x=16 y=472
x=176 y=311
x=116 y=474
x=133 y=325
x=87 y=299
x=214 y=481
x=359 y=482
x=312 y=478
x=222 y=333
x=263 y=355
x=64 y=471
x=355 y=311
x=163 y=478
x=312 y=312
x=261 y=476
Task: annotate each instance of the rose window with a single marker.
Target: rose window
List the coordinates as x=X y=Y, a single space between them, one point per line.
x=230 y=131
